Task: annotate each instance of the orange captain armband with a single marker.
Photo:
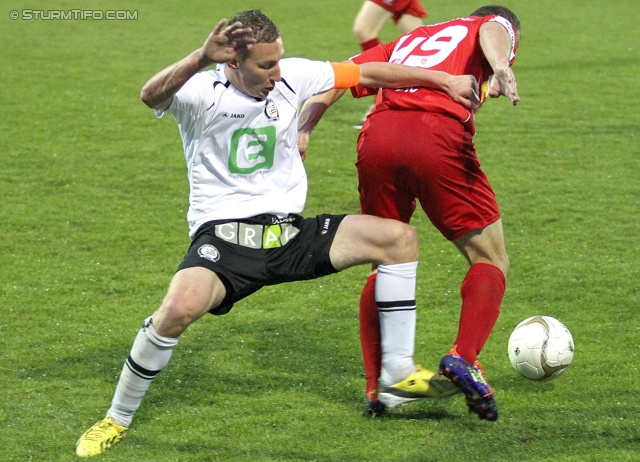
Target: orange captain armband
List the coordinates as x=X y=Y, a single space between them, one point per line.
x=347 y=75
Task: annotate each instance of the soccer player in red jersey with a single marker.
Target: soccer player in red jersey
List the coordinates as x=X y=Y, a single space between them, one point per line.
x=406 y=14
x=417 y=143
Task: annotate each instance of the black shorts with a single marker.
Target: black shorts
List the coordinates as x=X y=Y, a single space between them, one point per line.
x=265 y=250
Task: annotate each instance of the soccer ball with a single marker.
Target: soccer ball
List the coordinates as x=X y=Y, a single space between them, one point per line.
x=541 y=348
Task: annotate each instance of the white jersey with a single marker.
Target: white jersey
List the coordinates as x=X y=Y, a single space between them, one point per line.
x=242 y=152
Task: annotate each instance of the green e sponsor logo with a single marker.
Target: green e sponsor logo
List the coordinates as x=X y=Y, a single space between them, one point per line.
x=252 y=149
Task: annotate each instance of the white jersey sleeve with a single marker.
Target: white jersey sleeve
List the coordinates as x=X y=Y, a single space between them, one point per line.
x=317 y=78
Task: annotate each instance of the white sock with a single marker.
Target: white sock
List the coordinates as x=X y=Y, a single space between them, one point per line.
x=149 y=354
x=396 y=299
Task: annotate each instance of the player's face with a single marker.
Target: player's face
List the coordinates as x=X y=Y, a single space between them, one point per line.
x=260 y=70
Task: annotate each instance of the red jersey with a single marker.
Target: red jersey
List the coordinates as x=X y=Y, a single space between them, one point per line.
x=452 y=47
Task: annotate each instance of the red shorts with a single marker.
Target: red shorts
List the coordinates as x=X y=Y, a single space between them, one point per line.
x=400 y=7
x=409 y=155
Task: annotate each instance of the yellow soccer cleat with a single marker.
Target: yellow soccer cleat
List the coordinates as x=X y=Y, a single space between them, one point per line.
x=99 y=438
x=419 y=385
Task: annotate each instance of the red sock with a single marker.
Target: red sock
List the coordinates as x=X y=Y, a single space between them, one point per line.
x=482 y=291
x=370 y=44
x=370 y=336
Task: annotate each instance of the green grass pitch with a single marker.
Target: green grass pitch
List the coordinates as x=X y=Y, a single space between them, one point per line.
x=92 y=226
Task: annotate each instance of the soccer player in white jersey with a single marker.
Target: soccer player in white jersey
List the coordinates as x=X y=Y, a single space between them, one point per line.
x=238 y=123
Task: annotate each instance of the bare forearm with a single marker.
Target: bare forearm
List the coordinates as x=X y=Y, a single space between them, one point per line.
x=496 y=44
x=461 y=88
x=315 y=107
x=158 y=92
x=222 y=45
x=387 y=75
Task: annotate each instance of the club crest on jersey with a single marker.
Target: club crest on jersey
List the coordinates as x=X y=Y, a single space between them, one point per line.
x=209 y=252
x=271 y=111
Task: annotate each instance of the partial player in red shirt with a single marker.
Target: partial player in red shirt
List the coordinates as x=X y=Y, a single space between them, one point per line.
x=373 y=14
x=406 y=14
x=417 y=143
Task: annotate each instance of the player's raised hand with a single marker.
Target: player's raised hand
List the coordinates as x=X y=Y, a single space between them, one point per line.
x=226 y=40
x=504 y=83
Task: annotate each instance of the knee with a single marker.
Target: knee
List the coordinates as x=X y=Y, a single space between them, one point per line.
x=359 y=32
x=502 y=262
x=506 y=264
x=407 y=243
x=362 y=30
x=174 y=316
x=499 y=259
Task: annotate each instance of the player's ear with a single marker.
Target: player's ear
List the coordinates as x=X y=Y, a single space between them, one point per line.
x=233 y=64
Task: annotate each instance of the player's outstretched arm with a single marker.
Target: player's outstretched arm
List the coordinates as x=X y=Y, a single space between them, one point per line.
x=496 y=45
x=461 y=88
x=310 y=115
x=222 y=45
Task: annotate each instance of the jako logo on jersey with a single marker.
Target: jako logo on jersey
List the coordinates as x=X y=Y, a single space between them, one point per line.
x=209 y=252
x=232 y=116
